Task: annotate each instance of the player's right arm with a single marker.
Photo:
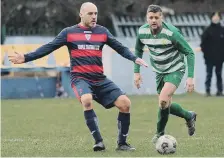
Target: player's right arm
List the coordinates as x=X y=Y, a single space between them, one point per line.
x=139 y=53
x=42 y=51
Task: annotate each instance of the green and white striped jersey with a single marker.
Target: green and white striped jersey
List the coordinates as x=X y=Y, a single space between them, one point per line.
x=166 y=49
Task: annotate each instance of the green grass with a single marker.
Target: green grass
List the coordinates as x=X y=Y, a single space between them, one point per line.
x=56 y=127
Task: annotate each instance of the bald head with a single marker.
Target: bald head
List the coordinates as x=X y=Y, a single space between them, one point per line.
x=87 y=6
x=88 y=14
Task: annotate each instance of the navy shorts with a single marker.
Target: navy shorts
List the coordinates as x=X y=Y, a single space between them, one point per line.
x=104 y=92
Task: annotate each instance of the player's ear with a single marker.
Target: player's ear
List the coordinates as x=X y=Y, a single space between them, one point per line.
x=80 y=15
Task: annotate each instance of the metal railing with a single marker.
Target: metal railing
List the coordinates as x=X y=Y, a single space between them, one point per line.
x=191 y=25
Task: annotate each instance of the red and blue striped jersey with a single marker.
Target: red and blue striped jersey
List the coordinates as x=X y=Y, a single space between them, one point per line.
x=85 y=49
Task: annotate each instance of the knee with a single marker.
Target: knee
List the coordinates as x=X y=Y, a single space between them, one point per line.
x=125 y=106
x=86 y=101
x=164 y=102
x=123 y=103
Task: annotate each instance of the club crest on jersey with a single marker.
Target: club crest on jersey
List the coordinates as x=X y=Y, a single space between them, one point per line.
x=88 y=36
x=164 y=41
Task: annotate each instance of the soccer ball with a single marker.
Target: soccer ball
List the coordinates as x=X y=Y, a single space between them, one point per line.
x=166 y=144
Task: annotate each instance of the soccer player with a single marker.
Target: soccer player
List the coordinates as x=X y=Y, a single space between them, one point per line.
x=167 y=51
x=85 y=42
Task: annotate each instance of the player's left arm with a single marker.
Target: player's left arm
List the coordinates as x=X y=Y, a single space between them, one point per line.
x=183 y=47
x=119 y=48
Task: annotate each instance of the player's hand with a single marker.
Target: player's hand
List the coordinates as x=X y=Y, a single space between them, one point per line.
x=141 y=62
x=17 y=58
x=137 y=80
x=190 y=84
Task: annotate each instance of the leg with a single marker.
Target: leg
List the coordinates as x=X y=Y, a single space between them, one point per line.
x=166 y=86
x=189 y=116
x=209 y=68
x=171 y=81
x=164 y=109
x=177 y=110
x=92 y=121
x=164 y=104
x=123 y=104
x=109 y=95
x=82 y=88
x=218 y=71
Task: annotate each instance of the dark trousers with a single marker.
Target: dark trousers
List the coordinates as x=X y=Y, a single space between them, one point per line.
x=218 y=71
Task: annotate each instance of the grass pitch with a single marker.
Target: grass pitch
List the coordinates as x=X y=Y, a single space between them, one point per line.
x=56 y=127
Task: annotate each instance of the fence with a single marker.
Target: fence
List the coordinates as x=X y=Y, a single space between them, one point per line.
x=191 y=25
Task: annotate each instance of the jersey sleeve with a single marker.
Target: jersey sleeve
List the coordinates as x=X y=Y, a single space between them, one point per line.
x=183 y=47
x=46 y=49
x=119 y=48
x=138 y=52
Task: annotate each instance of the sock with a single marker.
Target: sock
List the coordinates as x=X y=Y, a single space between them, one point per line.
x=176 y=109
x=92 y=123
x=163 y=115
x=123 y=127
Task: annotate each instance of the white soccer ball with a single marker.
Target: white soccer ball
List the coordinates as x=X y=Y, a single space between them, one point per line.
x=166 y=144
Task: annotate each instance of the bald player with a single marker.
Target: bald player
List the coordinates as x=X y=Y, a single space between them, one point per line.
x=85 y=42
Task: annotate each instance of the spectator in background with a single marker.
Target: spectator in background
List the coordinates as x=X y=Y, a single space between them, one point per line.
x=60 y=91
x=212 y=45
